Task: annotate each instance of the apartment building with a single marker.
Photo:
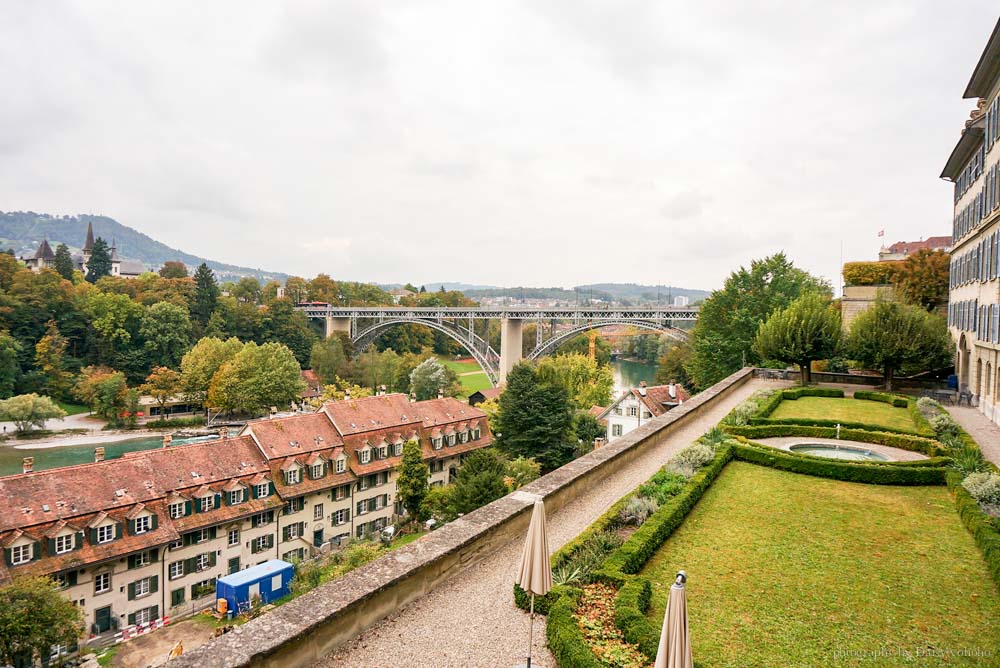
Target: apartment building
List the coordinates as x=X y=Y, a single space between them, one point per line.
x=133 y=539
x=974 y=299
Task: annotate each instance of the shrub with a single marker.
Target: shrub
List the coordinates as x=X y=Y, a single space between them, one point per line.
x=869 y=273
x=565 y=638
x=750 y=406
x=566 y=575
x=637 y=510
x=882 y=397
x=984 y=487
x=928 y=407
x=630 y=608
x=983 y=530
x=799 y=392
x=165 y=423
x=968 y=459
x=944 y=425
x=690 y=459
x=662 y=486
x=713 y=436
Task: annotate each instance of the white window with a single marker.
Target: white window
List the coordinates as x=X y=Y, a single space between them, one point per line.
x=383 y=451
x=362 y=508
x=341 y=465
x=341 y=492
x=616 y=430
x=141 y=587
x=142 y=524
x=106 y=533
x=436 y=443
x=177 y=510
x=144 y=616
x=236 y=497
x=206 y=503
x=292 y=530
x=261 y=543
x=463 y=436
x=633 y=411
x=292 y=477
x=64 y=543
x=102 y=583
x=340 y=517
x=318 y=511
x=475 y=434
x=234 y=537
x=176 y=570
x=363 y=483
x=399 y=449
x=203 y=562
x=364 y=456
x=262 y=519
x=263 y=490
x=143 y=559
x=20 y=554
x=317 y=471
x=176 y=545
x=61 y=580
x=200 y=536
x=451 y=439
x=618 y=410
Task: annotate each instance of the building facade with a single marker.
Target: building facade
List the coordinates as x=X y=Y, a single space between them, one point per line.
x=134 y=539
x=974 y=297
x=639 y=405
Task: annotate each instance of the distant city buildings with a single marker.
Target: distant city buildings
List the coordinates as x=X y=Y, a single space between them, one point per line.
x=974 y=168
x=44 y=258
x=901 y=249
x=681 y=301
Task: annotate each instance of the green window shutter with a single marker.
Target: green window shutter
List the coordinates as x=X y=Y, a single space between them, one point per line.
x=225 y=499
x=78 y=542
x=156 y=612
x=131 y=592
x=154 y=522
x=131 y=561
x=270 y=489
x=253 y=491
x=131 y=619
x=71 y=578
x=270 y=541
x=93 y=536
x=118 y=530
x=154 y=583
x=187 y=508
x=131 y=527
x=177 y=596
x=36 y=551
x=218 y=500
x=8 y=556
x=190 y=565
x=211 y=558
x=154 y=554
x=52 y=546
x=212 y=532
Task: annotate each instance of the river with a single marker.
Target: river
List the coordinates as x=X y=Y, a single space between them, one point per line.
x=49 y=458
x=629 y=374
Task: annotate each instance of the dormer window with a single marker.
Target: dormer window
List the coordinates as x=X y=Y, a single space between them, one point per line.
x=341 y=465
x=317 y=470
x=398 y=448
x=463 y=436
x=142 y=524
x=451 y=439
x=292 y=477
x=475 y=434
x=21 y=554
x=64 y=544
x=436 y=443
x=106 y=533
x=206 y=503
x=263 y=490
x=364 y=456
x=383 y=451
x=177 y=510
x=236 y=497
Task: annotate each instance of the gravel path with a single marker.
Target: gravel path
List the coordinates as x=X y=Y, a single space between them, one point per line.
x=470 y=620
x=986 y=433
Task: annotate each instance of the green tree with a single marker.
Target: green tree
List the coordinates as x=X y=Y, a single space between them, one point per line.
x=35 y=617
x=520 y=471
x=206 y=295
x=431 y=377
x=114 y=318
x=722 y=339
x=439 y=503
x=200 y=364
x=806 y=330
x=535 y=419
x=893 y=337
x=99 y=264
x=173 y=269
x=162 y=383
x=480 y=480
x=247 y=290
x=105 y=391
x=10 y=368
x=50 y=354
x=580 y=345
x=29 y=410
x=63 y=262
x=922 y=279
x=411 y=484
x=671 y=365
x=328 y=359
x=256 y=378
x=586 y=383
x=166 y=331
x=283 y=324
x=587 y=429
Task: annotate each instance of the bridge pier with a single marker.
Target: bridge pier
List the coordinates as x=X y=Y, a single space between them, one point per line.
x=511 y=335
x=337 y=324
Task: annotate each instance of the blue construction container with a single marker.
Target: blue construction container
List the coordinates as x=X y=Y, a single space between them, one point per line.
x=270 y=580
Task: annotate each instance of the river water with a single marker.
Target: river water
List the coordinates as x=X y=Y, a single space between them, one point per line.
x=629 y=374
x=48 y=458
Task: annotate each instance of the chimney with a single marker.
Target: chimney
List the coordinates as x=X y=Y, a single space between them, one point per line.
x=27 y=465
x=672 y=390
x=598 y=442
x=167 y=440
x=440 y=393
x=99 y=454
x=224 y=433
x=382 y=389
x=347 y=394
x=413 y=397
x=642 y=388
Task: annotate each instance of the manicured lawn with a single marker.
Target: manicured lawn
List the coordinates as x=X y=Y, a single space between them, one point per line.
x=473 y=382
x=792 y=570
x=848 y=410
x=459 y=367
x=73 y=409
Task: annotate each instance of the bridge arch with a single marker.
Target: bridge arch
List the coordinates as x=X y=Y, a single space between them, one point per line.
x=553 y=343
x=485 y=356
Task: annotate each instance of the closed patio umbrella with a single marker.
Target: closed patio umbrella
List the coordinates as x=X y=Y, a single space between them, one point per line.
x=534 y=575
x=675 y=640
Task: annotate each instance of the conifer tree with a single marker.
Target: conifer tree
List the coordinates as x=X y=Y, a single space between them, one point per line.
x=206 y=294
x=411 y=485
x=99 y=264
x=63 y=262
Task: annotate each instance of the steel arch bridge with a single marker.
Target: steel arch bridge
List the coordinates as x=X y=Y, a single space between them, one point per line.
x=364 y=324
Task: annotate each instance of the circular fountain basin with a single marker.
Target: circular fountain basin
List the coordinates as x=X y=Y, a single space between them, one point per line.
x=846 y=452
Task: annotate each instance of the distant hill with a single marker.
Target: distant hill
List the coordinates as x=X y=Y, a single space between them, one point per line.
x=23 y=230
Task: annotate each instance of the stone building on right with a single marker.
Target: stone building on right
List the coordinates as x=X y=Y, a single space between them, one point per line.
x=974 y=289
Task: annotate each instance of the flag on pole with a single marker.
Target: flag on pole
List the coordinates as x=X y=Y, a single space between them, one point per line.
x=881 y=233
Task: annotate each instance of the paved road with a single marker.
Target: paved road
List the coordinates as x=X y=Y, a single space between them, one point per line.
x=471 y=620
x=986 y=433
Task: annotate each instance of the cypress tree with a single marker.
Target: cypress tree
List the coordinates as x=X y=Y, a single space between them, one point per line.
x=206 y=294
x=64 y=262
x=99 y=264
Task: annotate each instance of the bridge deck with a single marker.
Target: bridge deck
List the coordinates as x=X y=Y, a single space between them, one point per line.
x=657 y=313
x=471 y=619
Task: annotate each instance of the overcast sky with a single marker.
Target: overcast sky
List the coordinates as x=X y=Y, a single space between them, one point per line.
x=509 y=143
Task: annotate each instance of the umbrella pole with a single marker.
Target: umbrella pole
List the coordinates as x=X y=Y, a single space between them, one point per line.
x=531 y=628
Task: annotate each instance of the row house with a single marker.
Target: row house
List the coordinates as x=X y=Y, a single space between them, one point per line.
x=133 y=539
x=974 y=288
x=637 y=406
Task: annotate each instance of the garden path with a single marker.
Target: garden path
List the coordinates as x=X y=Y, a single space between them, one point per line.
x=470 y=620
x=986 y=433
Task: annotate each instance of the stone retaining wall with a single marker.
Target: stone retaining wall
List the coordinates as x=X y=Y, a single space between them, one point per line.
x=313 y=625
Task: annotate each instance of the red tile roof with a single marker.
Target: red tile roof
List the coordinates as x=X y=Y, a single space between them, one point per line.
x=931 y=243
x=658 y=398
x=295 y=435
x=355 y=416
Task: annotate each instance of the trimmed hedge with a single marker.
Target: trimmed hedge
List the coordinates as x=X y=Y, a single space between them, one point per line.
x=977 y=523
x=871 y=473
x=869 y=273
x=566 y=641
x=800 y=392
x=883 y=397
x=763 y=416
x=926 y=446
x=641 y=545
x=630 y=615
x=812 y=422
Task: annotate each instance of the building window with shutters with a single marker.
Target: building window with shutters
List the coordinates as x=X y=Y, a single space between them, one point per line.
x=234 y=537
x=21 y=554
x=142 y=524
x=64 y=580
x=142 y=559
x=145 y=616
x=106 y=533
x=341 y=465
x=616 y=430
x=177 y=510
x=177 y=596
x=141 y=588
x=102 y=583
x=318 y=511
x=263 y=490
x=292 y=477
x=317 y=471
x=236 y=497
x=176 y=570
x=341 y=517
x=64 y=544
x=202 y=562
x=364 y=456
x=261 y=543
x=206 y=503
x=200 y=536
x=203 y=588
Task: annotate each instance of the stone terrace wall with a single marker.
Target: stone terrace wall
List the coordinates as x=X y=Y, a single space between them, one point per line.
x=313 y=625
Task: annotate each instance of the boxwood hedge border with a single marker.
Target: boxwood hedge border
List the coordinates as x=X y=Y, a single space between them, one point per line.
x=763 y=415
